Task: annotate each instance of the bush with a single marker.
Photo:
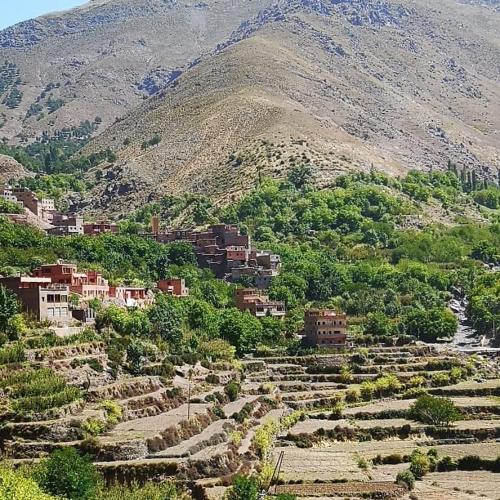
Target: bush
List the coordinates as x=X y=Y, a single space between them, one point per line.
x=434 y=410
x=15 y=486
x=113 y=410
x=352 y=396
x=446 y=464
x=93 y=426
x=12 y=354
x=232 y=389
x=218 y=411
x=244 y=488
x=470 y=462
x=420 y=464
x=69 y=475
x=165 y=490
x=406 y=478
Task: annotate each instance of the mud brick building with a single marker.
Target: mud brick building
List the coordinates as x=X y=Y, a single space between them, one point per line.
x=325 y=328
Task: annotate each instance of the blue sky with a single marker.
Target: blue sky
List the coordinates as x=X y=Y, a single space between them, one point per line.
x=15 y=11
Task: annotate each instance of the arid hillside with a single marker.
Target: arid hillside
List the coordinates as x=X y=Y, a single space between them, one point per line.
x=240 y=87
x=340 y=85
x=103 y=58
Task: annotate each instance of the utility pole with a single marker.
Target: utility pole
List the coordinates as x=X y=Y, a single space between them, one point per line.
x=189 y=394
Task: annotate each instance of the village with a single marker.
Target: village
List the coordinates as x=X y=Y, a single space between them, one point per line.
x=324 y=412
x=62 y=295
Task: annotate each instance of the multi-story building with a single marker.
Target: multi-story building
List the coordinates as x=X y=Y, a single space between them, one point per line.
x=7 y=194
x=100 y=227
x=174 y=286
x=89 y=284
x=325 y=328
x=226 y=251
x=65 y=225
x=258 y=304
x=44 y=208
x=44 y=300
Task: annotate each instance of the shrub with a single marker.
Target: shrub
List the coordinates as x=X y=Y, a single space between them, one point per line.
x=446 y=464
x=393 y=459
x=113 y=410
x=15 y=486
x=368 y=390
x=420 y=464
x=69 y=475
x=406 y=478
x=93 y=426
x=414 y=392
x=470 y=462
x=434 y=410
x=352 y=396
x=243 y=488
x=12 y=354
x=235 y=437
x=440 y=379
x=232 y=390
x=218 y=411
x=165 y=490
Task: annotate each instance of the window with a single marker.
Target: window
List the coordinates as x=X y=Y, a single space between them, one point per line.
x=50 y=312
x=50 y=298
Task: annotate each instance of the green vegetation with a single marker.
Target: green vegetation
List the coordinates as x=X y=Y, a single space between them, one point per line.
x=244 y=488
x=15 y=485
x=8 y=307
x=36 y=390
x=156 y=139
x=57 y=153
x=434 y=410
x=69 y=475
x=9 y=207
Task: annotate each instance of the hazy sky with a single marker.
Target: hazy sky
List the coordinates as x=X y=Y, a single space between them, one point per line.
x=15 y=11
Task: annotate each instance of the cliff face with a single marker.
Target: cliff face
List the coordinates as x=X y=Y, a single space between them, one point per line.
x=239 y=86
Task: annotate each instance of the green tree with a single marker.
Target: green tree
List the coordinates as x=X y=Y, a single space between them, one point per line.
x=16 y=486
x=241 y=329
x=244 y=488
x=166 y=320
x=68 y=474
x=8 y=307
x=434 y=410
x=300 y=176
x=430 y=324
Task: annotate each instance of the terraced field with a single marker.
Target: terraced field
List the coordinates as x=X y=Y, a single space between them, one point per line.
x=335 y=439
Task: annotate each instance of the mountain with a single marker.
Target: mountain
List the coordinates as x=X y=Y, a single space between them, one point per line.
x=241 y=87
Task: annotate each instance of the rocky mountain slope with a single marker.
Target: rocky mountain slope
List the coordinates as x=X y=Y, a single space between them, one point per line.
x=239 y=87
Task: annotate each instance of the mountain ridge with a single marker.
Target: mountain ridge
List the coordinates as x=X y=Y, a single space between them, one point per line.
x=341 y=84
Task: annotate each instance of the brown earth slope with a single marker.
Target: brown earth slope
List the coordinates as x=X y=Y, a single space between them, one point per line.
x=338 y=84
x=245 y=85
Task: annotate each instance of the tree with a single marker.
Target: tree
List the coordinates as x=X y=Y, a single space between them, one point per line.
x=420 y=464
x=166 y=320
x=15 y=486
x=241 y=329
x=8 y=307
x=244 y=488
x=430 y=324
x=377 y=323
x=232 y=390
x=300 y=176
x=434 y=410
x=68 y=474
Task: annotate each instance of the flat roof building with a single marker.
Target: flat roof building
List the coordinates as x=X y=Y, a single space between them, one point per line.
x=44 y=300
x=325 y=328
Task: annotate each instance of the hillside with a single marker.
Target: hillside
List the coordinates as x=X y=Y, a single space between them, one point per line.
x=259 y=86
x=116 y=52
